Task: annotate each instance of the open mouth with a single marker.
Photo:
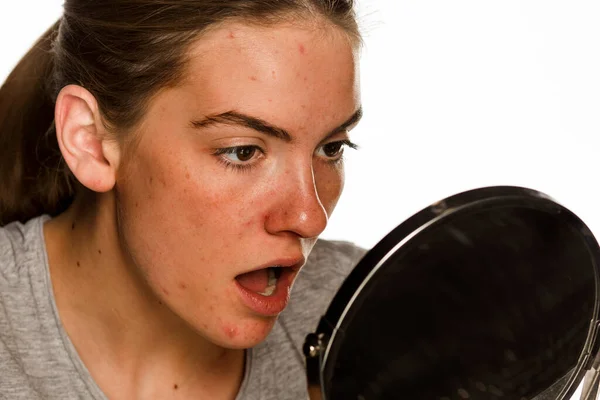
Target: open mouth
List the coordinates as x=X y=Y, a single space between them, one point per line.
x=262 y=281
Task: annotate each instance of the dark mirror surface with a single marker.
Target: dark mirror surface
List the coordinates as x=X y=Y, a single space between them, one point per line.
x=490 y=304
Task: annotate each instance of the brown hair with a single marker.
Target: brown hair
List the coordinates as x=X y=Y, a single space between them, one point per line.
x=123 y=52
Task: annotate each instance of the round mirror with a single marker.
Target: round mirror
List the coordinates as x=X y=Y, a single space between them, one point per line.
x=488 y=294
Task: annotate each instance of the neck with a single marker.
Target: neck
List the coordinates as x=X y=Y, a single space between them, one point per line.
x=133 y=345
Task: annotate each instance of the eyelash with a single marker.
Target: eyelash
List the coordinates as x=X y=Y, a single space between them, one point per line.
x=246 y=166
x=232 y=150
x=343 y=143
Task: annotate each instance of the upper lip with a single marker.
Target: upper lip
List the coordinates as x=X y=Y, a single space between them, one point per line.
x=287 y=262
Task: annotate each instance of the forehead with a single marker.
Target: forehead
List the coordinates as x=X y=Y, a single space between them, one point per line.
x=301 y=70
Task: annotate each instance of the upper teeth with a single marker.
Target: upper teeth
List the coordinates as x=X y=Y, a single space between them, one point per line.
x=271 y=284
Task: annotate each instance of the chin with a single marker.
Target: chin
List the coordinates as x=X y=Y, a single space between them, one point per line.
x=246 y=333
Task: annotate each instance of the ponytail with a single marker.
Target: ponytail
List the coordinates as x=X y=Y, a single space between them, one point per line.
x=33 y=177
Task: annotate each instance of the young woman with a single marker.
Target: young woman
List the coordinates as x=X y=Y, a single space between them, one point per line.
x=166 y=169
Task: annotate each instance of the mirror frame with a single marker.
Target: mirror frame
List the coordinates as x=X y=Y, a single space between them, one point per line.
x=318 y=344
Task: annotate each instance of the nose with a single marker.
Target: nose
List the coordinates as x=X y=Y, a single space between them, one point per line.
x=297 y=207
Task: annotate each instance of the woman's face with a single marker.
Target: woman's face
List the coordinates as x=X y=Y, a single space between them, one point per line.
x=237 y=170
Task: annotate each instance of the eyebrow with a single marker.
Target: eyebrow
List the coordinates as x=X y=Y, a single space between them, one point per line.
x=257 y=124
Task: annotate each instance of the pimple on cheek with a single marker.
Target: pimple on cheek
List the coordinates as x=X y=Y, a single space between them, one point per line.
x=301 y=48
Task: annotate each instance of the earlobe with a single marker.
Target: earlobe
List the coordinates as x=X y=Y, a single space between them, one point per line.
x=83 y=140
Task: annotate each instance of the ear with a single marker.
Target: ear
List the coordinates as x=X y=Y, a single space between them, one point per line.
x=87 y=149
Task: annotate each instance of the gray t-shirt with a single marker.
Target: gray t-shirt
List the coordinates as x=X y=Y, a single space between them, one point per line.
x=38 y=361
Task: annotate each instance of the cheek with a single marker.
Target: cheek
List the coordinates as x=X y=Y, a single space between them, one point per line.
x=330 y=184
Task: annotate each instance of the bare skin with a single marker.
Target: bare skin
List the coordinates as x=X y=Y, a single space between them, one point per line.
x=144 y=266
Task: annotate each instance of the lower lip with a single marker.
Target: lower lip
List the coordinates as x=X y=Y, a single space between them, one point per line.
x=269 y=306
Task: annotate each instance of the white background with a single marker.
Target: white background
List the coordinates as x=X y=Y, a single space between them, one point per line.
x=457 y=95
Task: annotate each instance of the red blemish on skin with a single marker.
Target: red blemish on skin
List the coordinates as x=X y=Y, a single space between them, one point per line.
x=165 y=291
x=160 y=302
x=252 y=78
x=303 y=106
x=136 y=204
x=301 y=48
x=175 y=386
x=231 y=35
x=187 y=175
x=183 y=285
x=273 y=74
x=231 y=332
x=270 y=100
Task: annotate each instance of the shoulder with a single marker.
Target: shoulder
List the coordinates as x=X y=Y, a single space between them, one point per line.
x=20 y=245
x=329 y=263
x=337 y=253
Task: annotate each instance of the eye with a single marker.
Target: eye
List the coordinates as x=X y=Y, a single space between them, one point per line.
x=244 y=153
x=334 y=150
x=239 y=156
